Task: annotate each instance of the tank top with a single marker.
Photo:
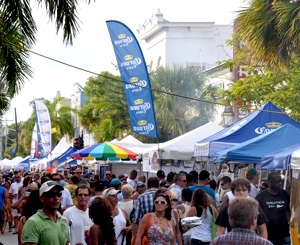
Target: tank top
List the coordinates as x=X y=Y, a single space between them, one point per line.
x=203 y=232
x=159 y=237
x=186 y=209
x=119 y=222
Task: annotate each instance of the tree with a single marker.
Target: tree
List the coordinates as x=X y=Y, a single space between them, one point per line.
x=178 y=115
x=263 y=84
x=18 y=34
x=60 y=115
x=105 y=115
x=270 y=29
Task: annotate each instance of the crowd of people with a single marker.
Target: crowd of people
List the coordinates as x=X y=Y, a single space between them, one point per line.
x=50 y=208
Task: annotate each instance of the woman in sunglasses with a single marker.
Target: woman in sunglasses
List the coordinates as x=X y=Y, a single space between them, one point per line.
x=158 y=226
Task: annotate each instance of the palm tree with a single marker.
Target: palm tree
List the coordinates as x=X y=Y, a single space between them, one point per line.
x=178 y=115
x=270 y=29
x=60 y=116
x=18 y=34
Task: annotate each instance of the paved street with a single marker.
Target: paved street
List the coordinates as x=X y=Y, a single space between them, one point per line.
x=8 y=238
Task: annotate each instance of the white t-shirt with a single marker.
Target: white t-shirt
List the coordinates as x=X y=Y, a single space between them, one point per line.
x=78 y=219
x=66 y=198
x=14 y=190
x=132 y=182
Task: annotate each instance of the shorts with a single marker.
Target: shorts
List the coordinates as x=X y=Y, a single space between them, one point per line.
x=15 y=213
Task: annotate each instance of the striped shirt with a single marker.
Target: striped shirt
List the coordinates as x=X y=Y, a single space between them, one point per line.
x=144 y=204
x=240 y=236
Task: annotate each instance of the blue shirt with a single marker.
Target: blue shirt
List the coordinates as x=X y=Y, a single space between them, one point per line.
x=144 y=205
x=208 y=190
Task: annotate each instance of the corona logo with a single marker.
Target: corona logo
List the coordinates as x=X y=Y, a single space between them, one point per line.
x=121 y=36
x=134 y=79
x=138 y=102
x=273 y=124
x=142 y=122
x=128 y=57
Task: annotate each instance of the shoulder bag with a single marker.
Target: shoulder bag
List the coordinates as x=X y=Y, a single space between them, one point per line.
x=144 y=239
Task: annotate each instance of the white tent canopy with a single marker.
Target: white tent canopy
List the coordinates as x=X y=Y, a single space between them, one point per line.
x=182 y=147
x=58 y=150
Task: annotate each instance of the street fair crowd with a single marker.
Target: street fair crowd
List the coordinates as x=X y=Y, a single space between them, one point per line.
x=174 y=208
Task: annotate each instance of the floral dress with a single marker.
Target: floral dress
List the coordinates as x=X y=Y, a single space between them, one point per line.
x=159 y=237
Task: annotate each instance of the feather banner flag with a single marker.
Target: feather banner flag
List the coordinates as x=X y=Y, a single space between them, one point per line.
x=41 y=136
x=135 y=77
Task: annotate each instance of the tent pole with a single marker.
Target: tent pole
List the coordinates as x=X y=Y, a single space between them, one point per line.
x=259 y=182
x=285 y=178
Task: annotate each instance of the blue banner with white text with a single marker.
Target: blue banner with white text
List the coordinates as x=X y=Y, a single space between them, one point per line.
x=135 y=77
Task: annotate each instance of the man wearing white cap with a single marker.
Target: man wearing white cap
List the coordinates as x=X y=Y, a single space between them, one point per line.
x=47 y=226
x=120 y=217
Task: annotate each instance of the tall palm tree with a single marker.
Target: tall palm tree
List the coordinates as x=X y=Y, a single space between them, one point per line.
x=177 y=115
x=270 y=29
x=18 y=34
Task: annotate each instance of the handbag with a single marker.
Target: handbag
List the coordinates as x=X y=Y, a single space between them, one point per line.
x=144 y=239
x=214 y=227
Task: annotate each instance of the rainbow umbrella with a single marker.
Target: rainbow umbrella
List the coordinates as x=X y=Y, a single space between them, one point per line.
x=103 y=151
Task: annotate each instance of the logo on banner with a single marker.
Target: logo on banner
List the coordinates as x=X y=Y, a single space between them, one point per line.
x=131 y=62
x=123 y=41
x=270 y=127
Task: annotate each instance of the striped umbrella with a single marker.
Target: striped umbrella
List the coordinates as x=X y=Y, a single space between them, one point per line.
x=103 y=151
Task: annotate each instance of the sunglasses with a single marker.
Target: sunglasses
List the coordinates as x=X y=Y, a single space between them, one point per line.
x=81 y=195
x=223 y=184
x=107 y=174
x=56 y=179
x=277 y=181
x=160 y=202
x=174 y=200
x=78 y=172
x=52 y=194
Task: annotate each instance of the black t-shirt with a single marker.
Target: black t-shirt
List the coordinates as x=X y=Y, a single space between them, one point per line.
x=223 y=218
x=275 y=207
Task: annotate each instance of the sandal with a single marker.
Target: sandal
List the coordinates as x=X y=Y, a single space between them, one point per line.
x=9 y=230
x=15 y=232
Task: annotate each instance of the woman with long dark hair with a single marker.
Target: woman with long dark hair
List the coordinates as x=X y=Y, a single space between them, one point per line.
x=158 y=226
x=201 y=207
x=102 y=231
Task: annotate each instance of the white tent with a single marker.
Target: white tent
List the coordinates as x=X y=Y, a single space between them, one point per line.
x=182 y=147
x=5 y=162
x=9 y=164
x=295 y=160
x=58 y=150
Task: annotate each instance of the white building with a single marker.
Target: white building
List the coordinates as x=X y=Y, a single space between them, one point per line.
x=200 y=44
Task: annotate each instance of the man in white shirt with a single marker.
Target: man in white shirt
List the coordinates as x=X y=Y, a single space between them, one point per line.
x=78 y=216
x=253 y=176
x=131 y=179
x=66 y=201
x=13 y=192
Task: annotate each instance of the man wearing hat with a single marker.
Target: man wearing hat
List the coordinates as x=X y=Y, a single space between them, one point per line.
x=253 y=176
x=116 y=183
x=47 y=226
x=161 y=175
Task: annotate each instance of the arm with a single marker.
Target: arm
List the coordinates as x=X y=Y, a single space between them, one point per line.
x=128 y=226
x=173 y=242
x=20 y=203
x=20 y=228
x=224 y=202
x=177 y=230
x=141 y=228
x=137 y=217
x=262 y=231
x=220 y=231
x=94 y=233
x=30 y=243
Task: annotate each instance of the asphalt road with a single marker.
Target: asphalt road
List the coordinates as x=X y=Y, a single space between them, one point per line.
x=8 y=238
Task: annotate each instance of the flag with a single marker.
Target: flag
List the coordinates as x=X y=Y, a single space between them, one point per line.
x=41 y=136
x=135 y=77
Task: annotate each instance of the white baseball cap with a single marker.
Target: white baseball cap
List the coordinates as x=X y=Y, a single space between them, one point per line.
x=49 y=185
x=109 y=192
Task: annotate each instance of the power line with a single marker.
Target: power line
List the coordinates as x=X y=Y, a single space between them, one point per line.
x=152 y=89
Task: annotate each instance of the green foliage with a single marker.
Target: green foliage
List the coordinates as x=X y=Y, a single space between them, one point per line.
x=178 y=115
x=105 y=115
